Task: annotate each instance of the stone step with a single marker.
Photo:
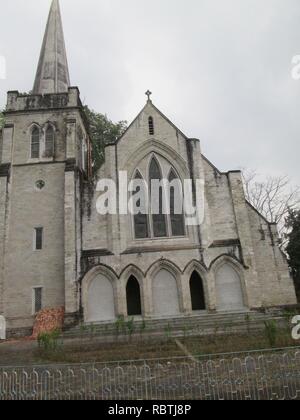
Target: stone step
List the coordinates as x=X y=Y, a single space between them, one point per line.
x=193 y=325
x=182 y=320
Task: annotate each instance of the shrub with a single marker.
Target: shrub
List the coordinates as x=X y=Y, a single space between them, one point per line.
x=49 y=341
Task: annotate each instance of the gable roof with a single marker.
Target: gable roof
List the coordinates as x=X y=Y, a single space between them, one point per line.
x=149 y=102
x=138 y=116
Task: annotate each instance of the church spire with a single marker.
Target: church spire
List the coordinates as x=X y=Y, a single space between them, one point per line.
x=53 y=74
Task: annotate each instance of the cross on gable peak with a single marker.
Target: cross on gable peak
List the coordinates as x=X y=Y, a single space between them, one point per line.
x=148 y=94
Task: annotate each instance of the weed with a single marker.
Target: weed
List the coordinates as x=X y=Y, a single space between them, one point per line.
x=130 y=327
x=48 y=342
x=168 y=331
x=143 y=327
x=92 y=331
x=119 y=324
x=271 y=332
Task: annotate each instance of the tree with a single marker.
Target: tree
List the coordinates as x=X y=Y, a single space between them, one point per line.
x=102 y=131
x=293 y=247
x=273 y=198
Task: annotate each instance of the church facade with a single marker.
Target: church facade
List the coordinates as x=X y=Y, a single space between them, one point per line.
x=56 y=250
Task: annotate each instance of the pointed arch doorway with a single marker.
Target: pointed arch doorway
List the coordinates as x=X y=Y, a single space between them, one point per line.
x=197 y=292
x=133 y=297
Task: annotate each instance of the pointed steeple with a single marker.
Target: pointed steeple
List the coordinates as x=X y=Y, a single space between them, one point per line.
x=53 y=74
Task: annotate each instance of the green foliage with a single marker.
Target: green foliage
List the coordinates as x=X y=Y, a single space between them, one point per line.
x=271 y=332
x=2 y=120
x=293 y=248
x=289 y=314
x=103 y=131
x=49 y=342
x=92 y=330
x=168 y=331
x=130 y=326
x=83 y=328
x=120 y=324
x=143 y=326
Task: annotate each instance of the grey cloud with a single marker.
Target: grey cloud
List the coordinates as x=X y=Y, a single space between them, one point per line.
x=221 y=70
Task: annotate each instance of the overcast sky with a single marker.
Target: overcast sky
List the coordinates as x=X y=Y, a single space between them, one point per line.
x=219 y=69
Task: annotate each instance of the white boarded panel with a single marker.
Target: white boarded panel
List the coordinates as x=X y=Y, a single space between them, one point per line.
x=101 y=305
x=165 y=294
x=229 y=289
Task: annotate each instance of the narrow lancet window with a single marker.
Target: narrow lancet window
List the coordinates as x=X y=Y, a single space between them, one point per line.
x=38 y=239
x=35 y=143
x=49 y=142
x=151 y=126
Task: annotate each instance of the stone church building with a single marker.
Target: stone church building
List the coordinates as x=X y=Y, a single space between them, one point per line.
x=56 y=250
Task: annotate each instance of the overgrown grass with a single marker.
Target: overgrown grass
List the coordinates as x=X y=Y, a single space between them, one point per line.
x=49 y=343
x=166 y=347
x=89 y=349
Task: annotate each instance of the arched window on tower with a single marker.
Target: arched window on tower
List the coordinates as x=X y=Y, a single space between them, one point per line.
x=151 y=126
x=49 y=142
x=176 y=205
x=159 y=225
x=141 y=227
x=35 y=143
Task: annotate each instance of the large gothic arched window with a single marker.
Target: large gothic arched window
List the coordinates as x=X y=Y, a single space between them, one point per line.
x=162 y=214
x=35 y=143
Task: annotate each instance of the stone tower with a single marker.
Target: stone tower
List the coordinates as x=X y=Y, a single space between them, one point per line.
x=44 y=160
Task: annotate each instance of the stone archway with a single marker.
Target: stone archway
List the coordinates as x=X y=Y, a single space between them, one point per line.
x=197 y=292
x=133 y=297
x=165 y=294
x=229 y=292
x=100 y=300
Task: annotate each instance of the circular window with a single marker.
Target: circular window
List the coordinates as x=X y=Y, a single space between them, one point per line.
x=40 y=184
